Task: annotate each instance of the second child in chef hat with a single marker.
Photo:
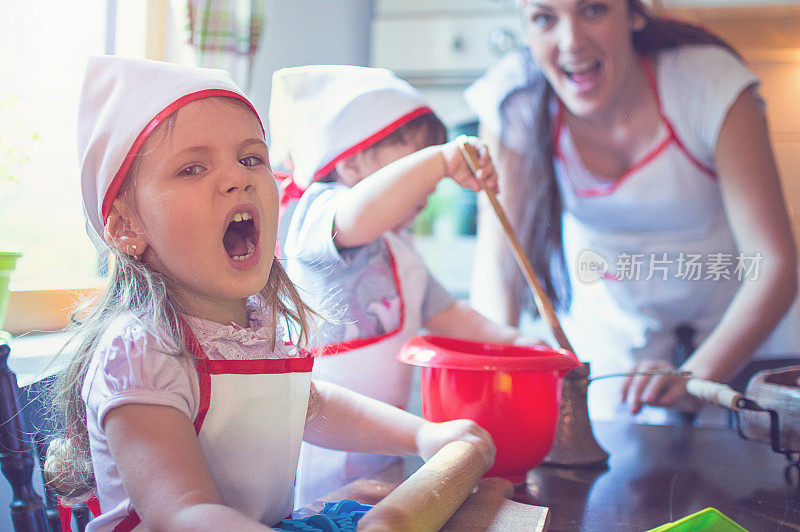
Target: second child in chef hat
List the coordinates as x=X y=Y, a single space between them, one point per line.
x=181 y=372
x=366 y=152
x=323 y=115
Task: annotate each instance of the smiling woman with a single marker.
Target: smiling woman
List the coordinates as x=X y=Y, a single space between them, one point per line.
x=622 y=135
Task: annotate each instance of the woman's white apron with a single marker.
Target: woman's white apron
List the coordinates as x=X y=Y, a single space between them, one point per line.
x=368 y=366
x=647 y=253
x=249 y=427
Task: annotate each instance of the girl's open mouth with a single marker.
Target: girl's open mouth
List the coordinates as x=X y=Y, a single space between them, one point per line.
x=241 y=240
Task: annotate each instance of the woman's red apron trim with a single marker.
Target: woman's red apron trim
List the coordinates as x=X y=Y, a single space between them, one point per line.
x=671 y=136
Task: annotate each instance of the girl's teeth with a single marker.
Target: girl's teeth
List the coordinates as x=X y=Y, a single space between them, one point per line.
x=241 y=216
x=250 y=249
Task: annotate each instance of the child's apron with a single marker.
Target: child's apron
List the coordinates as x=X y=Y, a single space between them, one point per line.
x=249 y=427
x=368 y=366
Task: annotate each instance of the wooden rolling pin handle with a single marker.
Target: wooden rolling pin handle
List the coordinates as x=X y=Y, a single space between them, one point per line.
x=427 y=499
x=715 y=393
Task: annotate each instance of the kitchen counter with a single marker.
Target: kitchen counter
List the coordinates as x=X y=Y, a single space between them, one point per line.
x=656 y=475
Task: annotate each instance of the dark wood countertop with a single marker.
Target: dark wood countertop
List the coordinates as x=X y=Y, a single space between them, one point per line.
x=656 y=475
x=659 y=474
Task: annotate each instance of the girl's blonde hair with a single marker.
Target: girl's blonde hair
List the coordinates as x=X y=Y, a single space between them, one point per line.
x=135 y=288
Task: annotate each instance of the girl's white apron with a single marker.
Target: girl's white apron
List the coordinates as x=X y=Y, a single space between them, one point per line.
x=249 y=426
x=662 y=211
x=368 y=366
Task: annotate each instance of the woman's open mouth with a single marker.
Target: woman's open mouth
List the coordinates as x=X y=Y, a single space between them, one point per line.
x=241 y=240
x=584 y=75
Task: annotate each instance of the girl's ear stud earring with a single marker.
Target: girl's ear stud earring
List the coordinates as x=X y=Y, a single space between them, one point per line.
x=134 y=254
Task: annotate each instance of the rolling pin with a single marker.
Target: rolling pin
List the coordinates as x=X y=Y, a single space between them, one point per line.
x=427 y=499
x=543 y=303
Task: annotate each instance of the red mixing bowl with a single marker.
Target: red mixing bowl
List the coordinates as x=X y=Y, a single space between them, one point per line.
x=511 y=391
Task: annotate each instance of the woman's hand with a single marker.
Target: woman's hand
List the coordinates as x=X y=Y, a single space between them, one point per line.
x=657 y=390
x=433 y=436
x=457 y=168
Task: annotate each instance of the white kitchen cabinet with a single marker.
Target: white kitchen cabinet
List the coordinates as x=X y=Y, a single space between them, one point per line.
x=441 y=46
x=779 y=71
x=444 y=46
x=421 y=7
x=669 y=4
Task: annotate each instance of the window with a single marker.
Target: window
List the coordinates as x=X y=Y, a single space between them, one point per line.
x=43 y=50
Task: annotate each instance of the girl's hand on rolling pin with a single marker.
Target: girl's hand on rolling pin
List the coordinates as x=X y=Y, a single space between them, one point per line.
x=457 y=168
x=433 y=436
x=657 y=390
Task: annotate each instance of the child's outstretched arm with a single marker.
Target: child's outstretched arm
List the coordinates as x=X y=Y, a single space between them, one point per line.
x=388 y=197
x=342 y=419
x=459 y=320
x=157 y=455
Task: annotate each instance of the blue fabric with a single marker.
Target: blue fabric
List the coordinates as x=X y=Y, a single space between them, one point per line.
x=339 y=516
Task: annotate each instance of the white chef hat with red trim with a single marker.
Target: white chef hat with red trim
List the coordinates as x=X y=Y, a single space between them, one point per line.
x=122 y=101
x=322 y=114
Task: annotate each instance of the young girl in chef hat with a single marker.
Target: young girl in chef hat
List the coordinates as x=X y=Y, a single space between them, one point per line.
x=366 y=151
x=184 y=402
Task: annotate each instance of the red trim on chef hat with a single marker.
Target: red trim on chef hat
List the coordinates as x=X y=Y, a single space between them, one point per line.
x=122 y=101
x=322 y=114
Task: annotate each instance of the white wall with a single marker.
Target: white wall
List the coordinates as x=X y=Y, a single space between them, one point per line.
x=779 y=72
x=309 y=32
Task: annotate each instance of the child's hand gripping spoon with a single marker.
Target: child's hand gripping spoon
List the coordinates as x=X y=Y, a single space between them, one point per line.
x=543 y=302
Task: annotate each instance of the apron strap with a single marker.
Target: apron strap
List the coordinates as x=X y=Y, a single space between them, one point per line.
x=65 y=511
x=204 y=378
x=203 y=375
x=651 y=79
x=129 y=523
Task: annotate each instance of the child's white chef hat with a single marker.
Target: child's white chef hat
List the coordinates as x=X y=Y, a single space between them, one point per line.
x=122 y=101
x=322 y=114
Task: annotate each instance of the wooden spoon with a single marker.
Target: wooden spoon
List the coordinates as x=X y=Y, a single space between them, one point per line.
x=543 y=302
